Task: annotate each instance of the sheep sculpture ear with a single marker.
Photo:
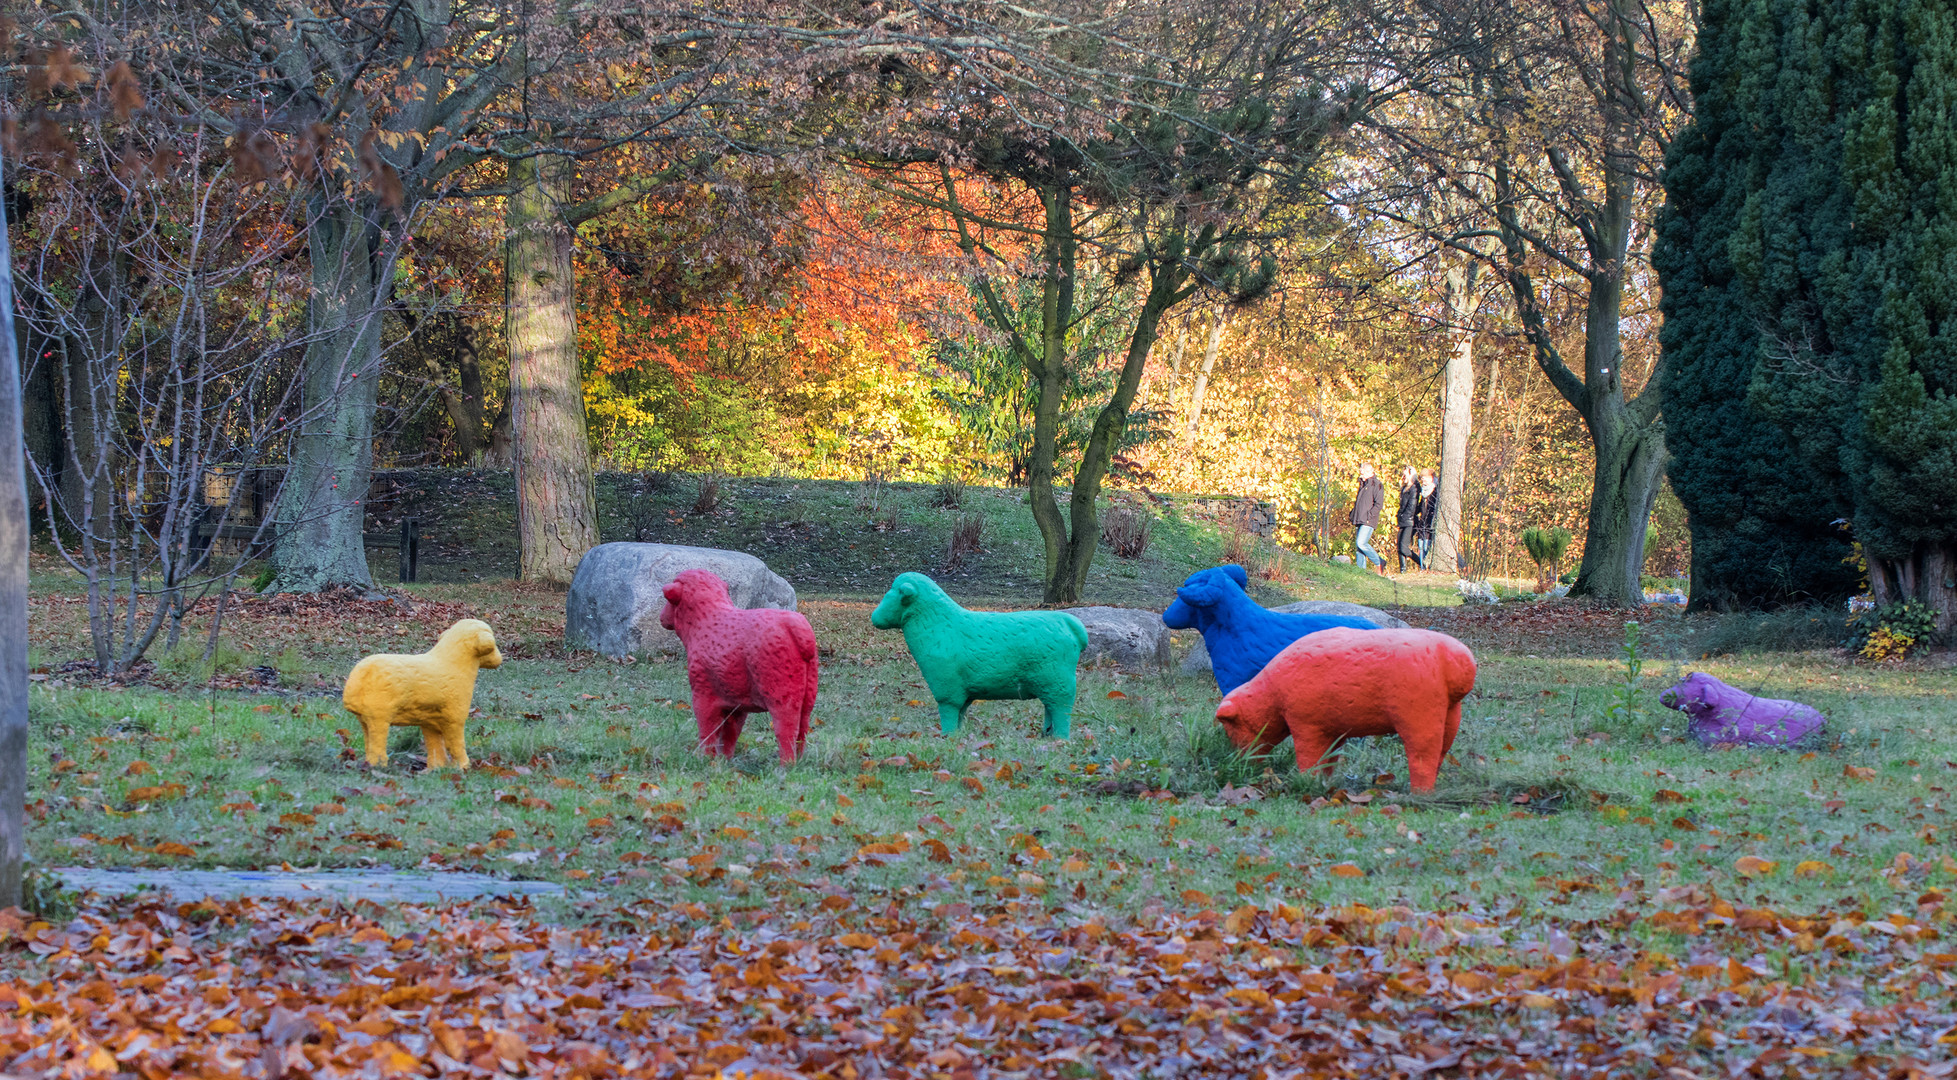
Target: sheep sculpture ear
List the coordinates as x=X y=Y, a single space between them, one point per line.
x=907 y=591
x=673 y=592
x=1237 y=574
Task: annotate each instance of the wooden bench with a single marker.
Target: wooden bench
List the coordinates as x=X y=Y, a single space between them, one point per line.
x=407 y=542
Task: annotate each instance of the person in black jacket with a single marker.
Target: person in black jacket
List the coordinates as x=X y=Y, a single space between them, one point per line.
x=1423 y=522
x=1409 y=516
x=1365 y=515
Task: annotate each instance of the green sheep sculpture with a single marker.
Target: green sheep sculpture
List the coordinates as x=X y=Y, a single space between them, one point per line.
x=969 y=656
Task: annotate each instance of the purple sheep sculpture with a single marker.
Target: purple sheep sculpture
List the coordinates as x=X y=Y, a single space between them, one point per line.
x=1241 y=635
x=1722 y=715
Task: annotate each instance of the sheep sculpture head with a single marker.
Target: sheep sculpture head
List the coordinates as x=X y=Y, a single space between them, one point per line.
x=903 y=598
x=474 y=635
x=1204 y=589
x=693 y=589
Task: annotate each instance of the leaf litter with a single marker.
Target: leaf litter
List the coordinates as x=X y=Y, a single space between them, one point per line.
x=268 y=988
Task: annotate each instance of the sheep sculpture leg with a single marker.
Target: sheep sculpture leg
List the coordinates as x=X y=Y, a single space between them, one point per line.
x=719 y=721
x=951 y=716
x=790 y=705
x=451 y=741
x=375 y=730
x=1059 y=702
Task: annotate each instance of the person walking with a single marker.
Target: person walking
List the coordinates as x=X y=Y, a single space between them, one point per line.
x=1408 y=517
x=1423 y=521
x=1365 y=516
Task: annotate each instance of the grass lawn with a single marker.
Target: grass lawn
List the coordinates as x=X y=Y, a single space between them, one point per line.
x=1573 y=818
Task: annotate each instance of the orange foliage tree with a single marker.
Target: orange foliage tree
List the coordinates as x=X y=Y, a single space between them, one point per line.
x=793 y=329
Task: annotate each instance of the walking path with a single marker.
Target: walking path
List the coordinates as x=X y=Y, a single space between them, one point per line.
x=380 y=886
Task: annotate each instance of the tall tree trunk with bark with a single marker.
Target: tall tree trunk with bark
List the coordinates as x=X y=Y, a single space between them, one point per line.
x=1460 y=299
x=88 y=378
x=321 y=512
x=13 y=598
x=1049 y=369
x=557 y=506
x=1628 y=436
x=1066 y=580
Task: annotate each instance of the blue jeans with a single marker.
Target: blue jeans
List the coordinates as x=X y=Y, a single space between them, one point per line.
x=1363 y=544
x=1426 y=544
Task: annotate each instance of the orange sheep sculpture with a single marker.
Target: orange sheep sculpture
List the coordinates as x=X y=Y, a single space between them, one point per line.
x=1341 y=684
x=430 y=690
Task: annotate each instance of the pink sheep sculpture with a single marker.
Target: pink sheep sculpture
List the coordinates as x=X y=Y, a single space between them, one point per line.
x=740 y=661
x=1342 y=683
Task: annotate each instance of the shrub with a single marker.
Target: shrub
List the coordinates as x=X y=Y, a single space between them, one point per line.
x=870 y=495
x=967 y=532
x=1239 y=540
x=1892 y=631
x=706 y=498
x=950 y=493
x=1125 y=530
x=1270 y=564
x=1547 y=547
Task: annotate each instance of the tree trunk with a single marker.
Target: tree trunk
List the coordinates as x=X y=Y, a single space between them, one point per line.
x=468 y=373
x=1628 y=436
x=1630 y=446
x=1220 y=323
x=1065 y=581
x=1929 y=574
x=321 y=511
x=447 y=337
x=13 y=598
x=1457 y=409
x=1630 y=461
x=89 y=378
x=1049 y=370
x=557 y=506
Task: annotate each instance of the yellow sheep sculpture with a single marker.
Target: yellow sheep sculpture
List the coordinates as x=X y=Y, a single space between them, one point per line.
x=428 y=690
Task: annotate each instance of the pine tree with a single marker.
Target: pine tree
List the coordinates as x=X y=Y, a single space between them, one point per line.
x=1812 y=212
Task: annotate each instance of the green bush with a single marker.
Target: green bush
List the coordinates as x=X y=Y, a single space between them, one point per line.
x=1892 y=630
x=1547 y=547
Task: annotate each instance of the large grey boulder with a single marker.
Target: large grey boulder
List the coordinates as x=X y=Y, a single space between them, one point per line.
x=1133 y=639
x=1198 y=660
x=616 y=595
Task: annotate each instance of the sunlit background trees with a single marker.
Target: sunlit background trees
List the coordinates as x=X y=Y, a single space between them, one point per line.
x=1075 y=248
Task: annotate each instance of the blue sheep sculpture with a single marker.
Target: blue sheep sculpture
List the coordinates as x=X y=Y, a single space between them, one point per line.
x=1241 y=635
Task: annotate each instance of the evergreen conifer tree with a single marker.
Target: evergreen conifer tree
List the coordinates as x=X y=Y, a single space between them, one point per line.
x=1810 y=333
